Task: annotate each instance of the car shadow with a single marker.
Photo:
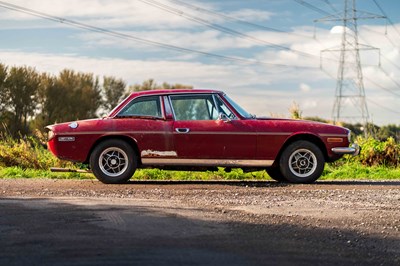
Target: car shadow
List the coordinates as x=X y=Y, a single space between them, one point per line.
x=263 y=183
x=66 y=233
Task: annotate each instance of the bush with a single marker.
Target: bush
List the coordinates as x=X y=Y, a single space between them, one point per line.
x=27 y=153
x=378 y=153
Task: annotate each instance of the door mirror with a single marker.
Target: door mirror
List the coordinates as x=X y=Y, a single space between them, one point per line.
x=223 y=117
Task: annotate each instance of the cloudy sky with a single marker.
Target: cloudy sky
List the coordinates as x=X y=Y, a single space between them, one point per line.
x=264 y=54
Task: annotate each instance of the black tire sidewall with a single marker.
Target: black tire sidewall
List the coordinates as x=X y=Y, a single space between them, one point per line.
x=103 y=177
x=293 y=147
x=275 y=173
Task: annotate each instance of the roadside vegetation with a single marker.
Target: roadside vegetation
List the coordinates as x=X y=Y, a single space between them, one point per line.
x=28 y=158
x=30 y=100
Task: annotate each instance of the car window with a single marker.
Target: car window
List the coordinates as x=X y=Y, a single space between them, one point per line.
x=194 y=107
x=223 y=108
x=239 y=109
x=143 y=106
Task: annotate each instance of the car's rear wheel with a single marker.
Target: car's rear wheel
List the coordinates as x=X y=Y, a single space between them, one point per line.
x=113 y=161
x=302 y=162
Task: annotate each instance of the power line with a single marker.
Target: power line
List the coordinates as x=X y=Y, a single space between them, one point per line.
x=381 y=87
x=312 y=7
x=234 y=19
x=382 y=106
x=181 y=13
x=330 y=5
x=138 y=39
x=387 y=74
x=387 y=17
x=243 y=22
x=377 y=32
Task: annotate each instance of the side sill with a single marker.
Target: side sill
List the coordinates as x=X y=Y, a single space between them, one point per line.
x=207 y=162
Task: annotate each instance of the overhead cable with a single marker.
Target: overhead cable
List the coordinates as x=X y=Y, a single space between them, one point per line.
x=310 y=6
x=139 y=39
x=234 y=19
x=222 y=28
x=387 y=17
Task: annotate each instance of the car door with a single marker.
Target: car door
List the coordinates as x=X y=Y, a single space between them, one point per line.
x=205 y=129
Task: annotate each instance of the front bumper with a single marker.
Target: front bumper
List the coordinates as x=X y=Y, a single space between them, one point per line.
x=352 y=150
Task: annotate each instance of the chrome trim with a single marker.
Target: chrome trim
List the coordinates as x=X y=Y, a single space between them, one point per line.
x=334 y=135
x=141 y=97
x=112 y=132
x=207 y=162
x=172 y=132
x=352 y=150
x=182 y=130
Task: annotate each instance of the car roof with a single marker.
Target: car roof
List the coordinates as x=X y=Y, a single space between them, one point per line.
x=179 y=91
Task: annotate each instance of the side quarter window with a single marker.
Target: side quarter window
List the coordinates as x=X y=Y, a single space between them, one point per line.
x=223 y=108
x=143 y=106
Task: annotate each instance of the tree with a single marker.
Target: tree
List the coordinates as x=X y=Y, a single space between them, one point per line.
x=150 y=84
x=147 y=85
x=66 y=97
x=80 y=94
x=3 y=91
x=21 y=90
x=3 y=96
x=51 y=101
x=113 y=90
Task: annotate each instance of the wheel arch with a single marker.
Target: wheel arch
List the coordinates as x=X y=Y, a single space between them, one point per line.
x=131 y=141
x=303 y=136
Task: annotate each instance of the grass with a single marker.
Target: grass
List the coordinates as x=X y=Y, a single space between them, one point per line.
x=356 y=171
x=347 y=171
x=18 y=172
x=27 y=158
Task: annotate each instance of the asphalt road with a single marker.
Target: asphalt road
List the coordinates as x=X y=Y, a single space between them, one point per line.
x=64 y=222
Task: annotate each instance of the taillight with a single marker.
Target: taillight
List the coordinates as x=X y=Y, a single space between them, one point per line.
x=50 y=135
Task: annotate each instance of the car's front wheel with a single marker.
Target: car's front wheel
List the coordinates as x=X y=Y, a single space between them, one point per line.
x=302 y=162
x=275 y=173
x=113 y=161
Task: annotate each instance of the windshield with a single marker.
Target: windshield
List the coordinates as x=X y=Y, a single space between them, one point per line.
x=237 y=107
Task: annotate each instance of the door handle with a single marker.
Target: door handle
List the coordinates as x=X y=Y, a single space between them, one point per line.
x=182 y=130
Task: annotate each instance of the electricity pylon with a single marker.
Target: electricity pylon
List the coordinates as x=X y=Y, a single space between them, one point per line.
x=350 y=103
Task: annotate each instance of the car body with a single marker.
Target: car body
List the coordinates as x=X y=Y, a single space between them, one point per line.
x=197 y=129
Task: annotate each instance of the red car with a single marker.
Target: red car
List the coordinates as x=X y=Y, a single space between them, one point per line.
x=196 y=130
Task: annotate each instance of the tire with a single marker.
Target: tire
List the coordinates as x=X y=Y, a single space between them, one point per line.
x=275 y=173
x=302 y=162
x=113 y=161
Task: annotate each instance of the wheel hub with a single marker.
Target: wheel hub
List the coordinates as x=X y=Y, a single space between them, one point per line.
x=113 y=161
x=302 y=163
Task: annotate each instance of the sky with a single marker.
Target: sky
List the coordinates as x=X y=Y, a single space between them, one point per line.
x=265 y=54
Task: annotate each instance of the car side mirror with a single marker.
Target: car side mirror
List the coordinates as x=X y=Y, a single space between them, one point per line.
x=223 y=117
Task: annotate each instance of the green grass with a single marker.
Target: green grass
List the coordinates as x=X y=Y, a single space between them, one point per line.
x=18 y=172
x=347 y=171
x=357 y=171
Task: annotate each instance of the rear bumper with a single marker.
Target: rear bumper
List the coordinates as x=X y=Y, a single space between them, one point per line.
x=354 y=150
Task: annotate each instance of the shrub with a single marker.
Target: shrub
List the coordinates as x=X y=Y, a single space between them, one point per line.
x=27 y=153
x=378 y=153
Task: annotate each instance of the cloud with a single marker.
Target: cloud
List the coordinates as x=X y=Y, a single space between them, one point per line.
x=122 y=13
x=260 y=88
x=304 y=87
